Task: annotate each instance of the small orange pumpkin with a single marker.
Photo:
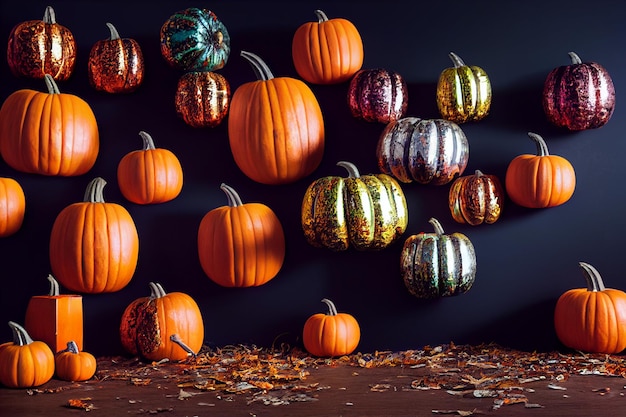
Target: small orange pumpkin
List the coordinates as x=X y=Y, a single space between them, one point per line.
x=331 y=334
x=72 y=364
x=202 y=98
x=12 y=206
x=150 y=175
x=476 y=199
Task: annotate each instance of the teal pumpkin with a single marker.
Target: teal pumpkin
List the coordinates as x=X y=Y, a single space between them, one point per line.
x=194 y=39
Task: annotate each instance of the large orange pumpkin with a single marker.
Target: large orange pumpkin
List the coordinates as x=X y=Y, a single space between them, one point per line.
x=275 y=127
x=12 y=206
x=94 y=244
x=328 y=51
x=72 y=364
x=50 y=133
x=592 y=319
x=163 y=325
x=241 y=245
x=331 y=334
x=150 y=175
x=541 y=180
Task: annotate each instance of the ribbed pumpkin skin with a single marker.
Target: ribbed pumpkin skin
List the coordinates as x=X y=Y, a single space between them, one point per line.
x=579 y=96
x=328 y=51
x=40 y=47
x=202 y=98
x=12 y=206
x=74 y=364
x=332 y=334
x=428 y=151
x=378 y=95
x=476 y=199
x=50 y=133
x=241 y=245
x=94 y=245
x=25 y=363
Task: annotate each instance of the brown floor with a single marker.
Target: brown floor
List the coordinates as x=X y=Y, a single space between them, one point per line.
x=244 y=381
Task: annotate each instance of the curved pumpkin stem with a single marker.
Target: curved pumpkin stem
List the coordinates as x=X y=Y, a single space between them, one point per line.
x=176 y=339
x=542 y=148
x=49 y=16
x=20 y=335
x=54 y=286
x=233 y=198
x=114 y=33
x=95 y=191
x=436 y=225
x=72 y=347
x=353 y=172
x=478 y=173
x=262 y=71
x=51 y=85
x=575 y=58
x=321 y=16
x=456 y=60
x=594 y=280
x=148 y=143
x=156 y=290
x=332 y=310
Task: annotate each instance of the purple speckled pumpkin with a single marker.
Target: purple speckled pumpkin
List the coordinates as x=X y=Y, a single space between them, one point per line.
x=579 y=96
x=378 y=95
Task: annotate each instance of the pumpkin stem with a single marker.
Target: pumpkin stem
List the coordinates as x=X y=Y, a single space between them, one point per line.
x=52 y=86
x=353 y=172
x=456 y=60
x=72 y=347
x=156 y=290
x=261 y=70
x=94 y=192
x=321 y=16
x=20 y=335
x=594 y=280
x=575 y=58
x=176 y=339
x=49 y=17
x=148 y=143
x=233 y=198
x=478 y=173
x=542 y=148
x=332 y=310
x=54 y=286
x=436 y=225
x=114 y=33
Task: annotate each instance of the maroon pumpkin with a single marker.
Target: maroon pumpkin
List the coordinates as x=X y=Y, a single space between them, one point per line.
x=378 y=95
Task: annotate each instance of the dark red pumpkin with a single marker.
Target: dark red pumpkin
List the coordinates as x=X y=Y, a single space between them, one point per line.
x=202 y=98
x=378 y=95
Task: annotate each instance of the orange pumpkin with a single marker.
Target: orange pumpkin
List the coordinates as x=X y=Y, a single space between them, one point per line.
x=94 y=244
x=54 y=318
x=541 y=180
x=592 y=319
x=116 y=64
x=202 y=98
x=150 y=175
x=49 y=133
x=241 y=245
x=12 y=206
x=476 y=199
x=72 y=364
x=331 y=334
x=275 y=127
x=40 y=47
x=328 y=51
x=25 y=363
x=163 y=325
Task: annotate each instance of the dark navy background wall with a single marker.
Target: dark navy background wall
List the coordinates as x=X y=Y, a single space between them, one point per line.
x=525 y=260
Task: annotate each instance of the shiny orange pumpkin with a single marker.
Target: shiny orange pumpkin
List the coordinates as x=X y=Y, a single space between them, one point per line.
x=94 y=244
x=150 y=175
x=12 y=206
x=476 y=199
x=241 y=245
x=332 y=334
x=50 y=133
x=72 y=364
x=275 y=127
x=202 y=98
x=328 y=51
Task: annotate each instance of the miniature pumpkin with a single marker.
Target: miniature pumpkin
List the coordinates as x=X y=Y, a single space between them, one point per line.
x=202 y=98
x=116 y=64
x=25 y=363
x=378 y=95
x=12 y=206
x=150 y=175
x=241 y=245
x=94 y=244
x=476 y=199
x=592 y=319
x=72 y=364
x=194 y=39
x=328 y=51
x=579 y=96
x=541 y=180
x=275 y=127
x=463 y=92
x=40 y=47
x=49 y=133
x=55 y=318
x=429 y=151
x=364 y=211
x=331 y=334
x=163 y=325
x=436 y=264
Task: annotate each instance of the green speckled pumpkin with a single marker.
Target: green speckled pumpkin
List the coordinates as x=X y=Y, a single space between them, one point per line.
x=194 y=39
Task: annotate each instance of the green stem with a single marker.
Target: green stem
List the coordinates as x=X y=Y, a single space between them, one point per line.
x=114 y=33
x=436 y=225
x=321 y=16
x=594 y=280
x=332 y=310
x=575 y=58
x=262 y=71
x=95 y=191
x=51 y=85
x=54 y=286
x=542 y=148
x=233 y=198
x=148 y=143
x=353 y=172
